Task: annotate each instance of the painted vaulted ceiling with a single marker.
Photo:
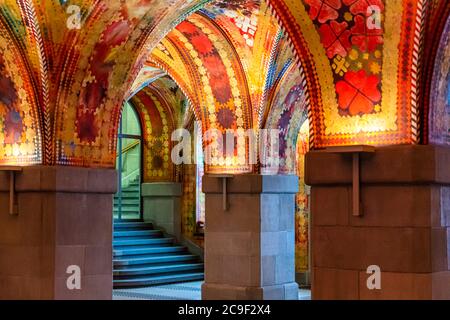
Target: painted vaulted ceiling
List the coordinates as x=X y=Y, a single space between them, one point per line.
x=66 y=79
x=360 y=72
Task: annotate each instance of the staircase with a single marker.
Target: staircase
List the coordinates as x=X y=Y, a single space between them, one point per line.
x=144 y=257
x=131 y=201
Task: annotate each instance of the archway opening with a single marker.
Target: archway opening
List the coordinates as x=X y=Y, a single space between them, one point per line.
x=127 y=201
x=156 y=242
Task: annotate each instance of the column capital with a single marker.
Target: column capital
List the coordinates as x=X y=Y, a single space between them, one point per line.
x=416 y=164
x=252 y=184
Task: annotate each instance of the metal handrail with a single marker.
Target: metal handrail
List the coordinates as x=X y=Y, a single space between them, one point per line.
x=131 y=146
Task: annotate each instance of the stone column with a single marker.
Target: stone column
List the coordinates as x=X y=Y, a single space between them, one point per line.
x=162 y=206
x=64 y=219
x=404 y=229
x=250 y=247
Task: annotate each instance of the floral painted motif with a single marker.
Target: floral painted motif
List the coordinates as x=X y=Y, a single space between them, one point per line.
x=19 y=128
x=13 y=127
x=302 y=204
x=242 y=13
x=324 y=10
x=361 y=6
x=365 y=39
x=351 y=32
x=439 y=120
x=153 y=105
x=335 y=38
x=358 y=92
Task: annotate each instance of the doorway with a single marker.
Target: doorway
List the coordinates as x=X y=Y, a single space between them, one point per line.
x=127 y=201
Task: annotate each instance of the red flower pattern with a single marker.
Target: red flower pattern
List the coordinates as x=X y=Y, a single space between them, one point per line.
x=323 y=10
x=360 y=6
x=364 y=38
x=358 y=92
x=335 y=38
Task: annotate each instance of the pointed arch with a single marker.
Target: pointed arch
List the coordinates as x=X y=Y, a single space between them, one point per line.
x=200 y=57
x=435 y=43
x=288 y=112
x=373 y=72
x=158 y=123
x=439 y=115
x=102 y=60
x=20 y=124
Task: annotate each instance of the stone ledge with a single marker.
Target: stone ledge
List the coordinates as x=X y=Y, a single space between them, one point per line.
x=415 y=164
x=62 y=179
x=252 y=184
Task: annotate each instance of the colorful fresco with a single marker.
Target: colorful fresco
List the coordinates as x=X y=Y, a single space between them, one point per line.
x=439 y=119
x=200 y=196
x=438 y=13
x=216 y=76
x=254 y=33
x=188 y=208
x=189 y=197
x=286 y=112
x=170 y=58
x=147 y=75
x=242 y=14
x=158 y=123
x=349 y=45
x=20 y=127
x=302 y=204
x=80 y=59
x=283 y=58
x=124 y=30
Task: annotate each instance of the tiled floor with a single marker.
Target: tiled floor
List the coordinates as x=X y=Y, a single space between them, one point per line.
x=179 y=291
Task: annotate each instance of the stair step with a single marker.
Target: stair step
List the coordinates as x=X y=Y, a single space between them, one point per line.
x=134 y=184
x=159 y=279
x=129 y=196
x=137 y=233
x=133 y=207
x=167 y=268
x=148 y=250
x=151 y=259
x=144 y=257
x=128 y=209
x=125 y=199
x=134 y=242
x=128 y=202
x=131 y=189
x=119 y=226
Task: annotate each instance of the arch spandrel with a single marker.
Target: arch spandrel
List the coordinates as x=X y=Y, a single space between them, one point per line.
x=20 y=125
x=372 y=70
x=439 y=119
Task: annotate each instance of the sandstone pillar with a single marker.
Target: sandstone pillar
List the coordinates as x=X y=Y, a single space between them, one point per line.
x=64 y=219
x=404 y=227
x=250 y=247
